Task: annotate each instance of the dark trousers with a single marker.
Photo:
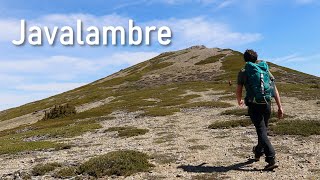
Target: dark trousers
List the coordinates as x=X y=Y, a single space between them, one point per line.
x=260 y=115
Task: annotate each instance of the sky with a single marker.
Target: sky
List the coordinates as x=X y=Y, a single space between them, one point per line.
x=284 y=32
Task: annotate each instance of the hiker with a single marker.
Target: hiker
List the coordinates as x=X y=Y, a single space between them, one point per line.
x=260 y=88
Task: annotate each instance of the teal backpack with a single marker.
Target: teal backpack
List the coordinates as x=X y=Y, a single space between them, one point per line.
x=259 y=86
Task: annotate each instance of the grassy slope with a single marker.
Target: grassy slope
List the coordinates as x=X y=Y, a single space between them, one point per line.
x=97 y=91
x=129 y=96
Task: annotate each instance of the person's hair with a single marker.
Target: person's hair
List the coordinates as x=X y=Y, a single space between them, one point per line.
x=250 y=56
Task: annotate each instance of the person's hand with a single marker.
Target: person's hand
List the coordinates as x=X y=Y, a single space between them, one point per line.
x=241 y=103
x=280 y=113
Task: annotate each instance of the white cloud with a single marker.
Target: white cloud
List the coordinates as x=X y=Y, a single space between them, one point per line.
x=199 y=30
x=296 y=58
x=74 y=66
x=9 y=29
x=305 y=63
x=225 y=3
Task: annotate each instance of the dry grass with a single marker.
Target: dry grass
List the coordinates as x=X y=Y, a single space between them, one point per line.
x=42 y=169
x=128 y=131
x=120 y=163
x=297 y=127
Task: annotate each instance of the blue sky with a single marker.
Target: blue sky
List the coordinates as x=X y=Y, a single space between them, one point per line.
x=285 y=32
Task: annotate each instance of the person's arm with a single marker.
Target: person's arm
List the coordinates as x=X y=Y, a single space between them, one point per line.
x=240 y=82
x=278 y=101
x=239 y=95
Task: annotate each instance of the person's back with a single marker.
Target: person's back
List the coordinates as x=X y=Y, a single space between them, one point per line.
x=257 y=79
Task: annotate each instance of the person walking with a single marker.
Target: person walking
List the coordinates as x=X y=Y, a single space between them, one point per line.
x=260 y=88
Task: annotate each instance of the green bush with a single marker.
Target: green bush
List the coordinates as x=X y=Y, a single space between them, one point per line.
x=230 y=124
x=42 y=169
x=66 y=172
x=236 y=112
x=210 y=104
x=59 y=112
x=120 y=163
x=128 y=131
x=297 y=127
x=158 y=111
x=315 y=86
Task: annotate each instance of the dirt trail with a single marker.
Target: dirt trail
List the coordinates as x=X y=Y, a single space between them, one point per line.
x=190 y=150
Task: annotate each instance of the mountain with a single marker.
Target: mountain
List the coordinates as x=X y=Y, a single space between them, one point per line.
x=153 y=97
x=195 y=64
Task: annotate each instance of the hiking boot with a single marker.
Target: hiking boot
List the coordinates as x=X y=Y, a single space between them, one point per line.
x=256 y=155
x=271 y=164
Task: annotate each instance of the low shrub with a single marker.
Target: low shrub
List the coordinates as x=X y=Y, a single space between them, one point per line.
x=236 y=112
x=42 y=169
x=120 y=163
x=128 y=131
x=158 y=111
x=66 y=172
x=297 y=127
x=210 y=104
x=230 y=124
x=59 y=112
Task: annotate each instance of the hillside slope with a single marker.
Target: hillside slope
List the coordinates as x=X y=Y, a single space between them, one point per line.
x=195 y=64
x=176 y=113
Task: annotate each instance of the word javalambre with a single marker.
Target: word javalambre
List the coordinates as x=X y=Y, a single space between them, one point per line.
x=135 y=35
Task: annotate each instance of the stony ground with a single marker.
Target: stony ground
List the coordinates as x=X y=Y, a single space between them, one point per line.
x=183 y=147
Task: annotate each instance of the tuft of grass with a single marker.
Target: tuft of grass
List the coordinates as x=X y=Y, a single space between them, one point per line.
x=235 y=123
x=211 y=59
x=66 y=172
x=42 y=169
x=209 y=104
x=230 y=124
x=236 y=112
x=315 y=86
x=198 y=147
x=127 y=131
x=297 y=127
x=157 y=111
x=120 y=163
